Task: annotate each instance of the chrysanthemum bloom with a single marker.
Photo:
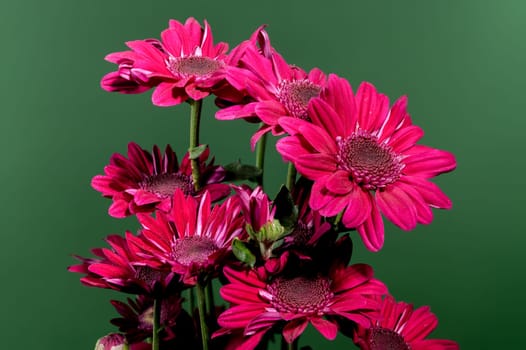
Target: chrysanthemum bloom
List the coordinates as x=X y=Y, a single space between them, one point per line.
x=144 y=182
x=119 y=268
x=184 y=64
x=399 y=327
x=277 y=88
x=259 y=302
x=136 y=321
x=364 y=160
x=192 y=239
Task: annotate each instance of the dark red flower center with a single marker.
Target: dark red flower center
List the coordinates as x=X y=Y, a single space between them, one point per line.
x=371 y=164
x=193 y=250
x=164 y=185
x=194 y=66
x=295 y=96
x=148 y=275
x=300 y=294
x=302 y=234
x=386 y=339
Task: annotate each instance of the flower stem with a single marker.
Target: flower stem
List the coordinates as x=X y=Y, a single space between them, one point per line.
x=156 y=323
x=291 y=177
x=260 y=157
x=293 y=345
x=201 y=305
x=195 y=117
x=210 y=302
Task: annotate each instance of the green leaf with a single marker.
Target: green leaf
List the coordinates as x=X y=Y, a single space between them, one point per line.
x=238 y=171
x=286 y=210
x=196 y=152
x=243 y=253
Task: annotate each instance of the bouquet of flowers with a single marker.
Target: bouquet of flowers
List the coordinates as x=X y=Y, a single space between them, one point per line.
x=282 y=262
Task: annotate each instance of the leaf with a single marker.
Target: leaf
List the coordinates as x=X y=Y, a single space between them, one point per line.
x=238 y=171
x=286 y=210
x=195 y=152
x=243 y=253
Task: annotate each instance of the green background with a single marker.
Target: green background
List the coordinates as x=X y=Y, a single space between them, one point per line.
x=460 y=62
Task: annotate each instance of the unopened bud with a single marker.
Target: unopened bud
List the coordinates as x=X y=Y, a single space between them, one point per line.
x=112 y=341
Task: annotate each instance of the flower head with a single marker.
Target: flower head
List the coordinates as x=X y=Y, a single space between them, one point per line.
x=184 y=64
x=192 y=239
x=364 y=160
x=260 y=302
x=146 y=181
x=119 y=268
x=276 y=88
x=136 y=321
x=400 y=327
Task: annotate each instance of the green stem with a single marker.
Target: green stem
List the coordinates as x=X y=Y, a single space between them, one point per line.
x=195 y=117
x=156 y=323
x=291 y=177
x=201 y=305
x=293 y=345
x=337 y=220
x=260 y=157
x=210 y=302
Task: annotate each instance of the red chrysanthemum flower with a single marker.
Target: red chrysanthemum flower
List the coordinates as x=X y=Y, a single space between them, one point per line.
x=192 y=239
x=363 y=159
x=399 y=327
x=136 y=321
x=276 y=88
x=184 y=64
x=119 y=268
x=144 y=182
x=260 y=302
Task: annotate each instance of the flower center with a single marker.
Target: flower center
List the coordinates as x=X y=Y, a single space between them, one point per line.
x=148 y=275
x=386 y=339
x=295 y=96
x=300 y=294
x=164 y=185
x=193 y=66
x=302 y=234
x=372 y=165
x=193 y=250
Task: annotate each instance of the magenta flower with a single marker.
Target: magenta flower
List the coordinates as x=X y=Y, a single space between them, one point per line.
x=119 y=268
x=192 y=239
x=259 y=302
x=184 y=64
x=399 y=327
x=136 y=321
x=363 y=159
x=144 y=182
x=276 y=88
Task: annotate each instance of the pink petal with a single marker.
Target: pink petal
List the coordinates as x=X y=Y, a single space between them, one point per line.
x=397 y=206
x=405 y=138
x=428 y=162
x=358 y=208
x=372 y=230
x=430 y=192
x=165 y=94
x=328 y=329
x=293 y=329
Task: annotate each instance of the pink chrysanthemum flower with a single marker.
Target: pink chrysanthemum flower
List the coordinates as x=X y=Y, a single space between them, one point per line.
x=192 y=239
x=144 y=182
x=136 y=321
x=399 y=327
x=260 y=302
x=277 y=88
x=363 y=159
x=119 y=268
x=184 y=64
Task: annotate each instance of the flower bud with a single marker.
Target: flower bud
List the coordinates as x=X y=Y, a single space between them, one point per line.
x=112 y=341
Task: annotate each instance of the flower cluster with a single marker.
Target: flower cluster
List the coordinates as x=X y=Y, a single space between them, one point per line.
x=284 y=262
